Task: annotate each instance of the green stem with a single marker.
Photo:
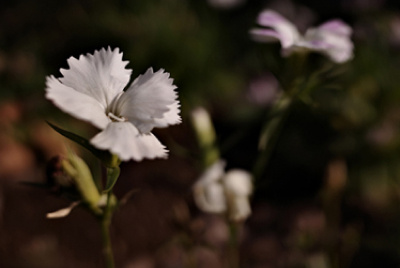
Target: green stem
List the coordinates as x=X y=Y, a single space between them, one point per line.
x=270 y=133
x=112 y=176
x=105 y=232
x=276 y=118
x=234 y=261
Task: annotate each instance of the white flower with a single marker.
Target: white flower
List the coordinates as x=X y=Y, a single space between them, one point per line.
x=331 y=38
x=92 y=89
x=220 y=192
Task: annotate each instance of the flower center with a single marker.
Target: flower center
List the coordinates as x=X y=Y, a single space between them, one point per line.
x=116 y=118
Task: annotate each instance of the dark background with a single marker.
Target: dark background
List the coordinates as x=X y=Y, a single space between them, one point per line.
x=328 y=197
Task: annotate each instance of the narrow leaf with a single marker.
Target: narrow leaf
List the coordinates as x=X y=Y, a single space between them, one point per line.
x=105 y=156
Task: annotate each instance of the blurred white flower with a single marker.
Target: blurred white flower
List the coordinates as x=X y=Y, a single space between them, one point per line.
x=331 y=38
x=220 y=192
x=92 y=89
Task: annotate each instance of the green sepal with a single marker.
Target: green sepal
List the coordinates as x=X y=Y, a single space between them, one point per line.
x=112 y=177
x=108 y=159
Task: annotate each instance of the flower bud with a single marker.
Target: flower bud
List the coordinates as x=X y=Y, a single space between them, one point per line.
x=205 y=133
x=238 y=187
x=78 y=170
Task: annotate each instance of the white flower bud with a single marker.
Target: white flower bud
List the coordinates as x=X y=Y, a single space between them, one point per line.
x=203 y=125
x=238 y=188
x=205 y=134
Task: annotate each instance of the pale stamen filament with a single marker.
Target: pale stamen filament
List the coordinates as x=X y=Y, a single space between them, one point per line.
x=114 y=118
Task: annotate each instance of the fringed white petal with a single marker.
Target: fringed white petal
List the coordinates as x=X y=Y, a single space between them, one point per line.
x=280 y=28
x=76 y=103
x=171 y=117
x=101 y=75
x=150 y=101
x=124 y=140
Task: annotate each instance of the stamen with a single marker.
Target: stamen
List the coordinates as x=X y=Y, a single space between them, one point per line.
x=114 y=118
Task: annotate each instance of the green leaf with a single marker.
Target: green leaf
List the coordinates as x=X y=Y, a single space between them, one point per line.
x=106 y=157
